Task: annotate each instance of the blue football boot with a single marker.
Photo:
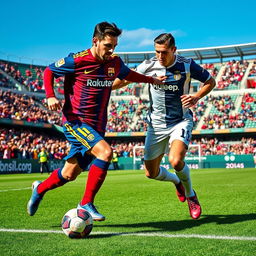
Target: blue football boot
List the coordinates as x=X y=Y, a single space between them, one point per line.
x=93 y=211
x=34 y=200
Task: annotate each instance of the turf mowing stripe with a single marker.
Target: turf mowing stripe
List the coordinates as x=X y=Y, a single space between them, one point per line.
x=14 y=189
x=240 y=238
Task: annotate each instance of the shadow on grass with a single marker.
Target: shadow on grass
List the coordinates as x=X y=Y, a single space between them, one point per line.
x=185 y=224
x=169 y=226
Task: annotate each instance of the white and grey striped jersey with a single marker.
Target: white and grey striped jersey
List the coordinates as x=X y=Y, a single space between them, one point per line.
x=165 y=103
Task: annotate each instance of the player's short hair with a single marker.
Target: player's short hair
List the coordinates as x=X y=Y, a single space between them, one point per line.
x=165 y=37
x=104 y=28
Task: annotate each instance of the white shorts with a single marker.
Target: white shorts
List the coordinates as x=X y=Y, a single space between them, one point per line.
x=157 y=142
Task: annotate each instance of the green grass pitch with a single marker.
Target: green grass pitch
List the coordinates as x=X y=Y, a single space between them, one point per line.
x=143 y=216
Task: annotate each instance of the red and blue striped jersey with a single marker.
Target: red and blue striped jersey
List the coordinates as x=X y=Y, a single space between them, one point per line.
x=87 y=86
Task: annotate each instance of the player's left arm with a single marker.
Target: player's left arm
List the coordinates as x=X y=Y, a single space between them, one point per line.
x=130 y=75
x=189 y=100
x=118 y=84
x=136 y=76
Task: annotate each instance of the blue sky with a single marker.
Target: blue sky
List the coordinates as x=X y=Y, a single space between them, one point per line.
x=48 y=30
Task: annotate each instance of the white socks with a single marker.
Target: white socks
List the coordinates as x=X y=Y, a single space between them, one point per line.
x=184 y=176
x=165 y=175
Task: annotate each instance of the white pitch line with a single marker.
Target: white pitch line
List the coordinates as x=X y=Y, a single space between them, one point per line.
x=14 y=189
x=152 y=234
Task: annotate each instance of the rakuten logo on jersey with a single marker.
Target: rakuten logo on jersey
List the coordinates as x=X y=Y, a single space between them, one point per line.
x=169 y=87
x=99 y=83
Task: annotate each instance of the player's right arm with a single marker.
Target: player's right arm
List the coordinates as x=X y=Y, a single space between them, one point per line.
x=60 y=68
x=52 y=102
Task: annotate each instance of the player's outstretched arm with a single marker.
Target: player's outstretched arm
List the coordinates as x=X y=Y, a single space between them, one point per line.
x=139 y=78
x=122 y=83
x=188 y=100
x=119 y=84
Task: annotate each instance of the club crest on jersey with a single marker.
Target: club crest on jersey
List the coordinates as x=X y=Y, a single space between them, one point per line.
x=59 y=63
x=111 y=72
x=177 y=75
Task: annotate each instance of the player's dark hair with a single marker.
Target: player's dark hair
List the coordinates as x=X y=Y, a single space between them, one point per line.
x=104 y=28
x=165 y=37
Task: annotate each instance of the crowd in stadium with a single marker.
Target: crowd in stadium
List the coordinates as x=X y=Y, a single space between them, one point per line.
x=25 y=144
x=32 y=78
x=233 y=74
x=21 y=107
x=253 y=70
x=124 y=115
x=213 y=70
x=215 y=147
x=225 y=119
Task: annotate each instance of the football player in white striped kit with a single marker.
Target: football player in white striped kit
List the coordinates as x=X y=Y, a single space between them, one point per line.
x=170 y=121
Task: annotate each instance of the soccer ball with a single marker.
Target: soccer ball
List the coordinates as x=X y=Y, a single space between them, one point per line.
x=77 y=223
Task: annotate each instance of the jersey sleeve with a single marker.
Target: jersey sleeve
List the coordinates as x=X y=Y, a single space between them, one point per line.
x=199 y=73
x=124 y=70
x=63 y=66
x=142 y=68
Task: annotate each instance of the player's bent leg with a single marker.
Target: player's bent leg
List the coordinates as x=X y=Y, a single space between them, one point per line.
x=194 y=206
x=154 y=171
x=165 y=175
x=176 y=158
x=58 y=178
x=102 y=150
x=71 y=169
x=96 y=176
x=176 y=155
x=152 y=167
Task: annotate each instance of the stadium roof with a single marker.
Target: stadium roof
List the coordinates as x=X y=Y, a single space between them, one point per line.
x=218 y=53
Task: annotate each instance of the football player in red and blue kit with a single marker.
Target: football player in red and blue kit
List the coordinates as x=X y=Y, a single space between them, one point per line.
x=89 y=76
